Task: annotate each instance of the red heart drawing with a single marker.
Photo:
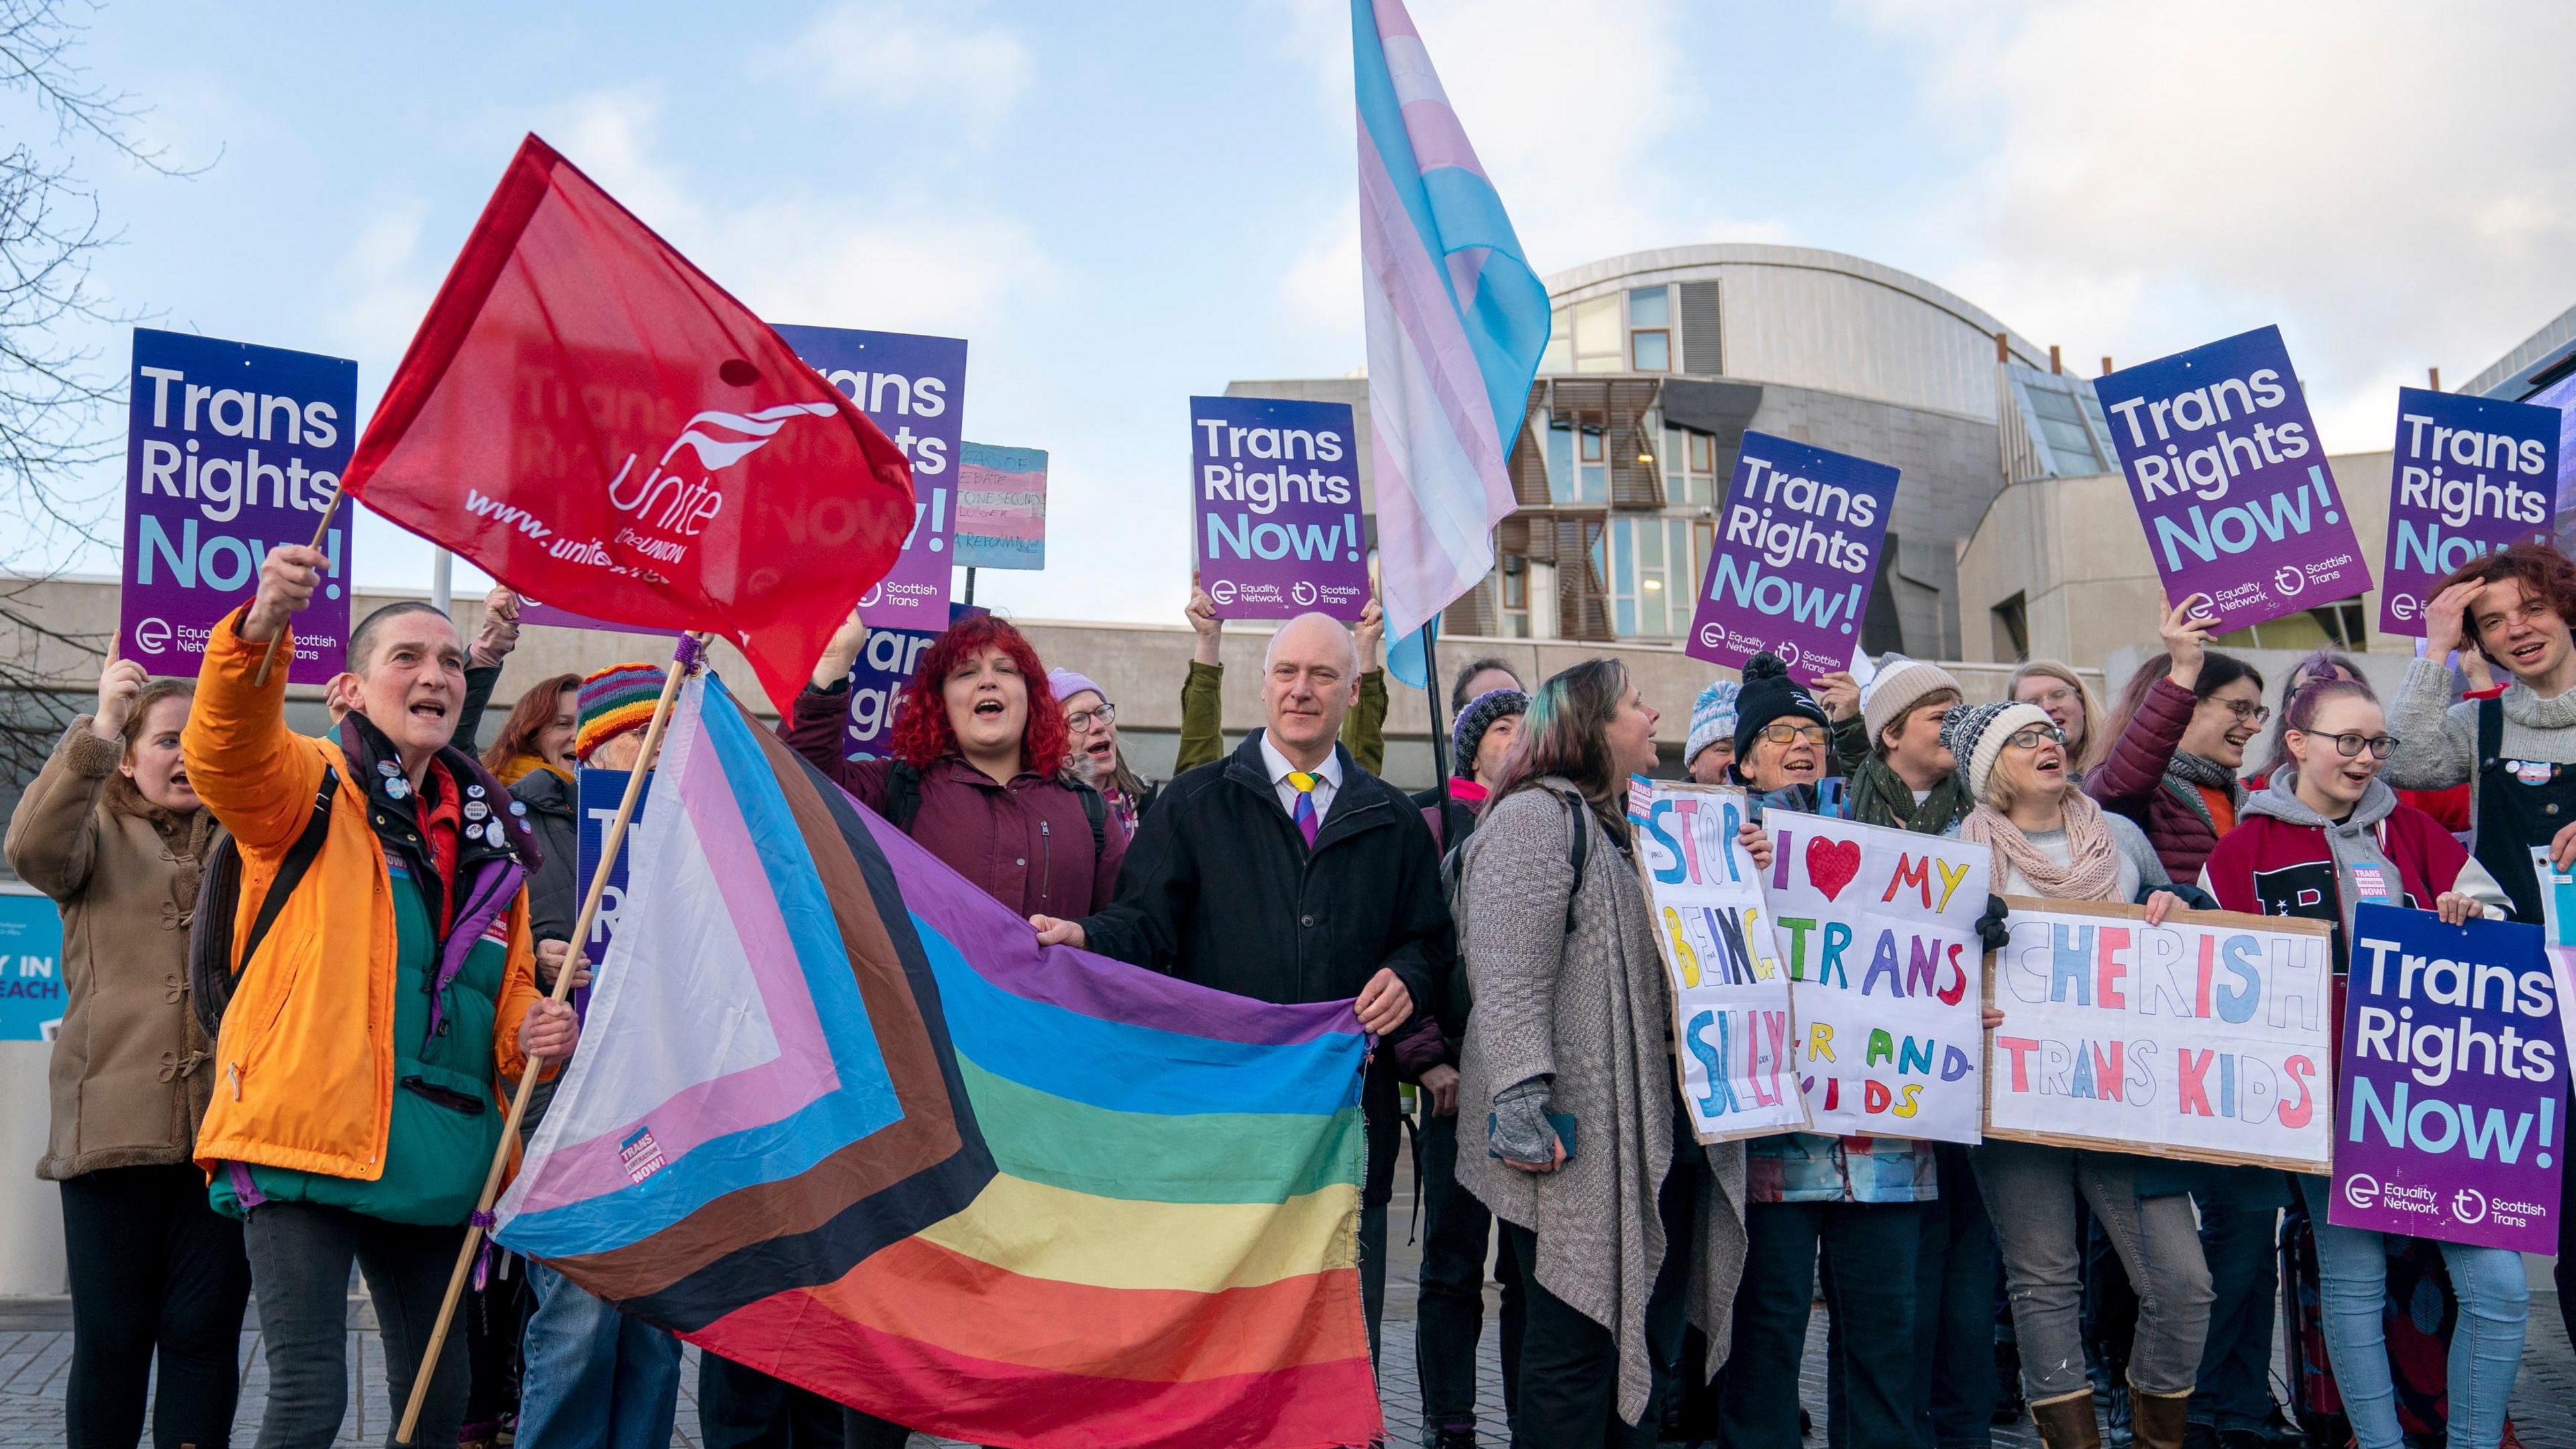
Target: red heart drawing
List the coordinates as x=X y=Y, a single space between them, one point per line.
x=1831 y=864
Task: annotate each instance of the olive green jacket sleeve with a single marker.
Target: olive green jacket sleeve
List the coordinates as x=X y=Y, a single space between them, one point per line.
x=1203 y=737
x=1202 y=707
x=1364 y=728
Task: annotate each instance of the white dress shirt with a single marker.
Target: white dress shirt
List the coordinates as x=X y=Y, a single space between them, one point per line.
x=1328 y=780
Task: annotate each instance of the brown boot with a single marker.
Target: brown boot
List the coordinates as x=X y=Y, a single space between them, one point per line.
x=2067 y=1421
x=2157 y=1420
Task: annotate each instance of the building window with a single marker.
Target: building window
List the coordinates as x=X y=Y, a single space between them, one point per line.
x=1559 y=356
x=1689 y=467
x=1650 y=334
x=1597 y=344
x=1560 y=463
x=1655 y=565
x=2342 y=626
x=2012 y=630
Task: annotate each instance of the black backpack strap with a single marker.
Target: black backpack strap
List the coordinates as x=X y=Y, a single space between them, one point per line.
x=290 y=871
x=903 y=795
x=1578 y=851
x=1096 y=810
x=2490 y=730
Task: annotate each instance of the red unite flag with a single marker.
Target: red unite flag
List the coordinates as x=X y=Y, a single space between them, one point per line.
x=596 y=424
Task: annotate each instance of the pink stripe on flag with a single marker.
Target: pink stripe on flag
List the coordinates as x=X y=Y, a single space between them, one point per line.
x=755 y=1096
x=1438 y=139
x=1394 y=20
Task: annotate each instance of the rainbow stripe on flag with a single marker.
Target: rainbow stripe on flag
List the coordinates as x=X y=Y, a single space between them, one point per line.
x=837 y=1116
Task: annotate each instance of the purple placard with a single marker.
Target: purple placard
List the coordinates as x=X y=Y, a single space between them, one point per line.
x=599 y=793
x=915 y=389
x=884 y=666
x=2470 y=475
x=2449 y=1107
x=2230 y=481
x=230 y=450
x=1275 y=515
x=1795 y=557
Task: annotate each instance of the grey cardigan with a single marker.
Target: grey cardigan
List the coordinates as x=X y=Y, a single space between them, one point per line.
x=1591 y=1009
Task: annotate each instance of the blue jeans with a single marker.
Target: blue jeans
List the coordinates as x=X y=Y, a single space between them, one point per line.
x=2486 y=1348
x=595 y=1378
x=2242 y=1245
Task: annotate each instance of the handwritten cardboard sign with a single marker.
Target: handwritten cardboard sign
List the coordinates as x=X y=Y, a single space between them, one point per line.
x=1733 y=1022
x=2449 y=1104
x=2205 y=1038
x=1879 y=928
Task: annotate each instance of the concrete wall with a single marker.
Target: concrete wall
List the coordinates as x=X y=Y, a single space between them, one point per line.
x=2074 y=549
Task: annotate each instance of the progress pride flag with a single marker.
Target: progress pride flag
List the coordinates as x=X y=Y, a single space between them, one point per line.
x=595 y=423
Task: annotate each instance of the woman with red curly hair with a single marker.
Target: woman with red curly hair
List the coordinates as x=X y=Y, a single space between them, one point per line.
x=978 y=765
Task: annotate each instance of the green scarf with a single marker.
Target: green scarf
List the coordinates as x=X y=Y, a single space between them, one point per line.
x=1880 y=796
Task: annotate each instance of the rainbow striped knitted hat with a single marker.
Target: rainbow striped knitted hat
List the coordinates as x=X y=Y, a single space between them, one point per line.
x=613 y=701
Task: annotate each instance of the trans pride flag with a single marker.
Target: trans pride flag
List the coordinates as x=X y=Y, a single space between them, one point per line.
x=838 y=1117
x=1456 y=323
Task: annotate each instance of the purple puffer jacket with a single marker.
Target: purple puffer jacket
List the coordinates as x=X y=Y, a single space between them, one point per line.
x=1027 y=844
x=2131 y=781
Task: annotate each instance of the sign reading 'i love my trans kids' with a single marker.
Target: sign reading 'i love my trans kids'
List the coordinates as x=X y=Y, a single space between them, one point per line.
x=1795 y=557
x=2230 y=481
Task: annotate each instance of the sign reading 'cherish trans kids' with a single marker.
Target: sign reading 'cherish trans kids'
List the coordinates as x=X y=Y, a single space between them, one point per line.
x=1795 y=558
x=914 y=388
x=1275 y=508
x=230 y=450
x=2449 y=1122
x=2229 y=480
x=2470 y=475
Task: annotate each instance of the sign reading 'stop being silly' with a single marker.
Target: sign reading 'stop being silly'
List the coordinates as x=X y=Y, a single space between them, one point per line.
x=2230 y=482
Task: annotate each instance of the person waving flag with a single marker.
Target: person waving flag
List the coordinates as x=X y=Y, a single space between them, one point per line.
x=1456 y=323
x=596 y=423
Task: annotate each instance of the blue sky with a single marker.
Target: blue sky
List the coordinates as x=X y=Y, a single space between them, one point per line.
x=1121 y=204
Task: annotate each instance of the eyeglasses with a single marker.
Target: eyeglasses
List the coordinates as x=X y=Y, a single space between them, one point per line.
x=1081 y=721
x=2031 y=737
x=1784 y=733
x=2351 y=743
x=2253 y=714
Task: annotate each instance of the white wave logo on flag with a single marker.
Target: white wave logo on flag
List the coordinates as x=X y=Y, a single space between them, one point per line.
x=714 y=452
x=665 y=502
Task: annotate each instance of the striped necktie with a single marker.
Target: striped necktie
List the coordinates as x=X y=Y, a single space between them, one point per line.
x=1304 y=814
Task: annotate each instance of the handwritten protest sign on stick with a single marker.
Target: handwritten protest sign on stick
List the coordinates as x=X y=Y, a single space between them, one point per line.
x=2449 y=1124
x=1733 y=1028
x=2205 y=1038
x=1880 y=930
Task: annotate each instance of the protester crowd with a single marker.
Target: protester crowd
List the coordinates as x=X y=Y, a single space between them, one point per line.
x=306 y=974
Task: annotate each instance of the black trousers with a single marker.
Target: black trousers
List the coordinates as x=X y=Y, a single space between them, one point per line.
x=1568 y=1393
x=154 y=1271
x=1457 y=1235
x=743 y=1408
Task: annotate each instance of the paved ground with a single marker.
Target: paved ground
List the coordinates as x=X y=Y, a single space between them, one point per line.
x=35 y=1348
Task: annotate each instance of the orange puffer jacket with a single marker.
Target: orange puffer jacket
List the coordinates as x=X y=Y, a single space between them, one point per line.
x=305 y=1064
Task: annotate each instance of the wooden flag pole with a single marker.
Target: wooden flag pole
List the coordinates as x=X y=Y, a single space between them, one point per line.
x=321 y=531
x=681 y=663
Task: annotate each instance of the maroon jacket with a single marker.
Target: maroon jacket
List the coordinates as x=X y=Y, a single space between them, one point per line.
x=2131 y=781
x=1028 y=844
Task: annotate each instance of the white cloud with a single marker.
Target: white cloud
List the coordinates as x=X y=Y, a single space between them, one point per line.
x=1565 y=101
x=903 y=54
x=877 y=261
x=2390 y=182
x=383 y=284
